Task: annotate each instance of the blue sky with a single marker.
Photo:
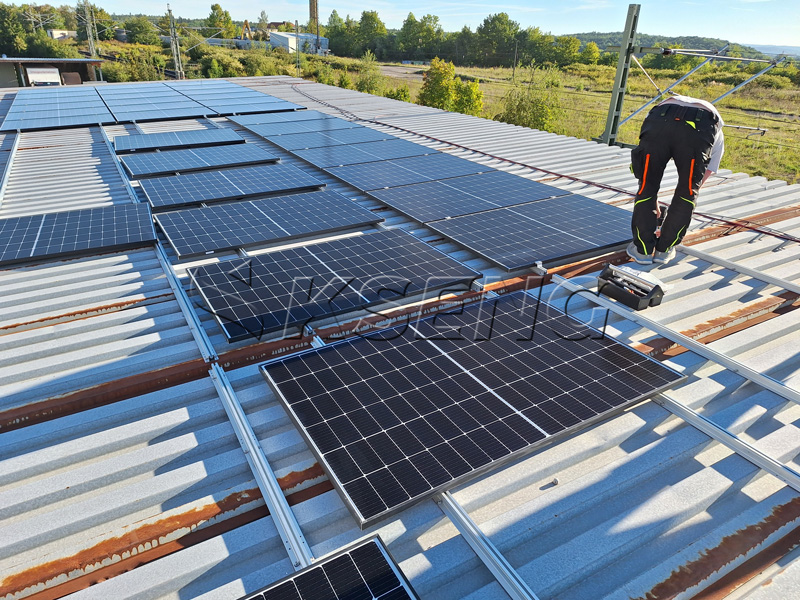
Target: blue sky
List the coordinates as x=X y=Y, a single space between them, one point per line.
x=742 y=21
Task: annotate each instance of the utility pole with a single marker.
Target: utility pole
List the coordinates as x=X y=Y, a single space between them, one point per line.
x=175 y=45
x=514 y=68
x=89 y=28
x=297 y=45
x=609 y=136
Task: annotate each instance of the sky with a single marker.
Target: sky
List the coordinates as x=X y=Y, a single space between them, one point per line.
x=775 y=22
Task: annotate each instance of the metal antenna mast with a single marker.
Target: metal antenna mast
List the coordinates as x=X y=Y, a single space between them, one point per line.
x=89 y=18
x=175 y=44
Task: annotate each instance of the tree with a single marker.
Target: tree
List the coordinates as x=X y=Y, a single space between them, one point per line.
x=12 y=33
x=370 y=30
x=370 y=80
x=68 y=17
x=141 y=31
x=590 y=54
x=533 y=104
x=40 y=45
x=438 y=85
x=420 y=39
x=535 y=46
x=468 y=98
x=219 y=22
x=344 y=81
x=496 y=39
x=566 y=50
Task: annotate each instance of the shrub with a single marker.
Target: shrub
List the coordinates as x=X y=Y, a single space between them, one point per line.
x=534 y=104
x=344 y=81
x=468 y=98
x=438 y=87
x=401 y=93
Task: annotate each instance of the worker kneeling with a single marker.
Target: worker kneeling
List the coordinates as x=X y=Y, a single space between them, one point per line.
x=689 y=131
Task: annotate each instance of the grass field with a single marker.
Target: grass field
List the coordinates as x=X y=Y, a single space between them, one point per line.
x=586 y=91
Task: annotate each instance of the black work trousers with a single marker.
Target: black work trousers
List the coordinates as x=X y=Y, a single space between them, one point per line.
x=686 y=135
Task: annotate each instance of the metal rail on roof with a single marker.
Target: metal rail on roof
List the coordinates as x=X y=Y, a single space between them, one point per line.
x=505 y=574
x=282 y=515
x=699 y=348
x=7 y=171
x=733 y=266
x=118 y=165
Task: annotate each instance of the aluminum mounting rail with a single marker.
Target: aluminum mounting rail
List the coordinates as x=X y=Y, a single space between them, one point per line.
x=282 y=515
x=7 y=171
x=505 y=574
x=118 y=165
x=699 y=348
x=733 y=266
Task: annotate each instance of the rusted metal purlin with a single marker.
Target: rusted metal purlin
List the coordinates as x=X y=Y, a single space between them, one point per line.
x=157 y=539
x=731 y=548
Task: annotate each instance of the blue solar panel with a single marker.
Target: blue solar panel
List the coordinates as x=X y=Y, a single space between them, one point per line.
x=197 y=159
x=288 y=289
x=404 y=171
x=434 y=200
x=299 y=115
x=552 y=231
x=334 y=156
x=176 y=139
x=229 y=184
x=244 y=224
x=298 y=141
x=75 y=232
x=318 y=125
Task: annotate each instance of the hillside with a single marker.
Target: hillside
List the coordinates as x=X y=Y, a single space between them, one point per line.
x=644 y=39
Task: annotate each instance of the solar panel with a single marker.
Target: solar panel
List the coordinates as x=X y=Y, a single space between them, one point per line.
x=363 y=570
x=404 y=171
x=242 y=224
x=334 y=156
x=434 y=200
x=229 y=184
x=176 y=139
x=551 y=231
x=398 y=416
x=356 y=135
x=300 y=115
x=288 y=289
x=75 y=232
x=49 y=109
x=235 y=107
x=317 y=125
x=197 y=159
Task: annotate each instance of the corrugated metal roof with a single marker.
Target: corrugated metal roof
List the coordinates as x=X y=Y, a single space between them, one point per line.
x=642 y=505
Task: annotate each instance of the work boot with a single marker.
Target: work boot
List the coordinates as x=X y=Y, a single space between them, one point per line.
x=642 y=259
x=662 y=258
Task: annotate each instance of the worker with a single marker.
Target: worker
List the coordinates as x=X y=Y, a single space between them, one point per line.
x=689 y=131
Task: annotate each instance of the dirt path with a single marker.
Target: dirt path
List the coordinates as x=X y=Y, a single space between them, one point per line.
x=404 y=72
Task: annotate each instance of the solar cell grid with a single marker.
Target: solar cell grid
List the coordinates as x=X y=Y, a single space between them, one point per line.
x=243 y=224
x=551 y=231
x=361 y=153
x=400 y=415
x=434 y=200
x=228 y=184
x=286 y=289
x=404 y=171
x=75 y=232
x=299 y=141
x=176 y=139
x=182 y=161
x=318 y=125
x=300 y=115
x=361 y=571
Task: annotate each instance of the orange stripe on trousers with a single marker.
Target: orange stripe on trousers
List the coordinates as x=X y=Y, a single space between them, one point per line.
x=644 y=176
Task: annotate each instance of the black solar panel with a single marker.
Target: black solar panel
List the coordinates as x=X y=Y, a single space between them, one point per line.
x=404 y=171
x=75 y=232
x=434 y=200
x=356 y=135
x=283 y=117
x=176 y=139
x=197 y=159
x=398 y=416
x=287 y=289
x=363 y=570
x=551 y=231
x=242 y=224
x=334 y=156
x=229 y=184
x=317 y=125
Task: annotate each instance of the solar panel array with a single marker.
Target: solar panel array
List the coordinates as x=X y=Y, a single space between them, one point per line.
x=551 y=231
x=397 y=416
x=287 y=289
x=361 y=571
x=229 y=184
x=75 y=232
x=53 y=107
x=49 y=108
x=198 y=159
x=334 y=156
x=299 y=141
x=242 y=224
x=435 y=200
x=403 y=171
x=257 y=119
x=194 y=138
x=304 y=126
